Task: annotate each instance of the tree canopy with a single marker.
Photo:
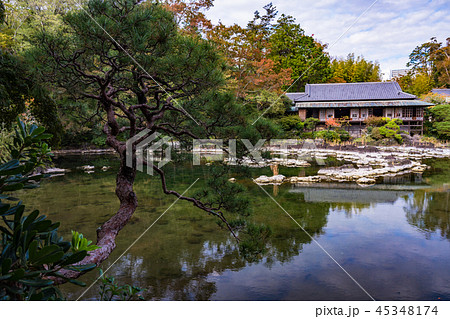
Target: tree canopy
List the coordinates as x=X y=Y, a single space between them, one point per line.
x=143 y=74
x=354 y=70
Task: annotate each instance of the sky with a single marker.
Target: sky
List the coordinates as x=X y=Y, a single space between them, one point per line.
x=385 y=30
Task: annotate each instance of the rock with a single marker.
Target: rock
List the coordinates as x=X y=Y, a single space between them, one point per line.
x=306 y=179
x=366 y=180
x=277 y=179
x=419 y=169
x=54 y=170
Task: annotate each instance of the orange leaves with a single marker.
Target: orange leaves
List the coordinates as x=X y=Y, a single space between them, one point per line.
x=189 y=15
x=265 y=76
x=332 y=122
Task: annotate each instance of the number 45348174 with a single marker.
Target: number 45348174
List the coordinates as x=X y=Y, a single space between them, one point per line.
x=407 y=310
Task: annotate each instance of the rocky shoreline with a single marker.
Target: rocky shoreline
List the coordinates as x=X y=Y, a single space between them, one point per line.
x=364 y=164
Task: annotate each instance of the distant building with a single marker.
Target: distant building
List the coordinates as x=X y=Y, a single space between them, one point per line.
x=399 y=73
x=445 y=93
x=357 y=102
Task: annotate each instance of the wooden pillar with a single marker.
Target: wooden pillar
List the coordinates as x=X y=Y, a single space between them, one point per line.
x=274 y=168
x=302 y=114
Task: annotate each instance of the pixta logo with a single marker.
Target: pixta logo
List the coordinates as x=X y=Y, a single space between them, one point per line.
x=142 y=148
x=144 y=145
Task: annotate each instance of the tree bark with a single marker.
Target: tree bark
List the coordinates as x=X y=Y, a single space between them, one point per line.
x=107 y=233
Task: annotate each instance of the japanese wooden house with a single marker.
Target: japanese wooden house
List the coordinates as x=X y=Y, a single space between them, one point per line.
x=358 y=101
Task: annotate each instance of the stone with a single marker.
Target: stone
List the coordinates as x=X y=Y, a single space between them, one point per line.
x=366 y=180
x=276 y=180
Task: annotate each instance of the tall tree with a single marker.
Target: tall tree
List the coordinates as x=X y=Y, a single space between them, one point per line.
x=247 y=50
x=292 y=49
x=190 y=15
x=20 y=91
x=433 y=59
x=173 y=85
x=354 y=70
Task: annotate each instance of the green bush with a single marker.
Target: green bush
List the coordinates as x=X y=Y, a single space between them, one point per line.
x=375 y=133
x=440 y=121
x=311 y=123
x=289 y=123
x=111 y=291
x=344 y=135
x=328 y=135
x=307 y=135
x=376 y=121
x=32 y=255
x=390 y=130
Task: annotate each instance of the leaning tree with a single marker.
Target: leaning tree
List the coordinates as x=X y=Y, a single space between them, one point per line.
x=128 y=56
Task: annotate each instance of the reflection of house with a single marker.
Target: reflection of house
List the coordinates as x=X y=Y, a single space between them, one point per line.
x=357 y=102
x=445 y=93
x=349 y=193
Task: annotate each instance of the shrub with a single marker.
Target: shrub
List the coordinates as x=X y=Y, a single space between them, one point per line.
x=344 y=135
x=292 y=122
x=327 y=135
x=440 y=121
x=376 y=121
x=311 y=123
x=331 y=122
x=390 y=130
x=32 y=254
x=375 y=134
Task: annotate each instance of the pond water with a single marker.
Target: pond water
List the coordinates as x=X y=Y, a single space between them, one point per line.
x=393 y=238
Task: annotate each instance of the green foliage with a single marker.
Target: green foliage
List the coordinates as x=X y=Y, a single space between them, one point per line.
x=269 y=102
x=292 y=49
x=375 y=133
x=253 y=245
x=2 y=12
x=231 y=197
x=355 y=70
x=390 y=130
x=376 y=121
x=440 y=121
x=6 y=138
x=311 y=123
x=339 y=135
x=344 y=135
x=292 y=122
x=32 y=254
x=417 y=84
x=328 y=135
x=79 y=243
x=21 y=91
x=111 y=291
x=431 y=61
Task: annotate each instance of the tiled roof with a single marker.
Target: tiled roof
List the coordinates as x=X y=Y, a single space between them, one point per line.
x=445 y=92
x=357 y=104
x=364 y=91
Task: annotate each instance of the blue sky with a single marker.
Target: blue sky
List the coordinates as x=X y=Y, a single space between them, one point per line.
x=388 y=32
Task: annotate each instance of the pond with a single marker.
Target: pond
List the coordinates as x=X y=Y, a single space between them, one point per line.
x=392 y=238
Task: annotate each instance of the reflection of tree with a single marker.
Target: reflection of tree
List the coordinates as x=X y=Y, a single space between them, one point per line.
x=429 y=211
x=351 y=209
x=182 y=265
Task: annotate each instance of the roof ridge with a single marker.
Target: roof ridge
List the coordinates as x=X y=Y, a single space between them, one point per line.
x=349 y=83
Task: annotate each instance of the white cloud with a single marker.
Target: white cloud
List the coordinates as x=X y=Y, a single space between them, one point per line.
x=388 y=32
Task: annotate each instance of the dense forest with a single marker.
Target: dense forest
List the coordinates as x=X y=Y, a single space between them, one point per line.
x=261 y=60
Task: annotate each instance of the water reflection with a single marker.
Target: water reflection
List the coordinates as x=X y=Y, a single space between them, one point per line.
x=186 y=256
x=429 y=211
